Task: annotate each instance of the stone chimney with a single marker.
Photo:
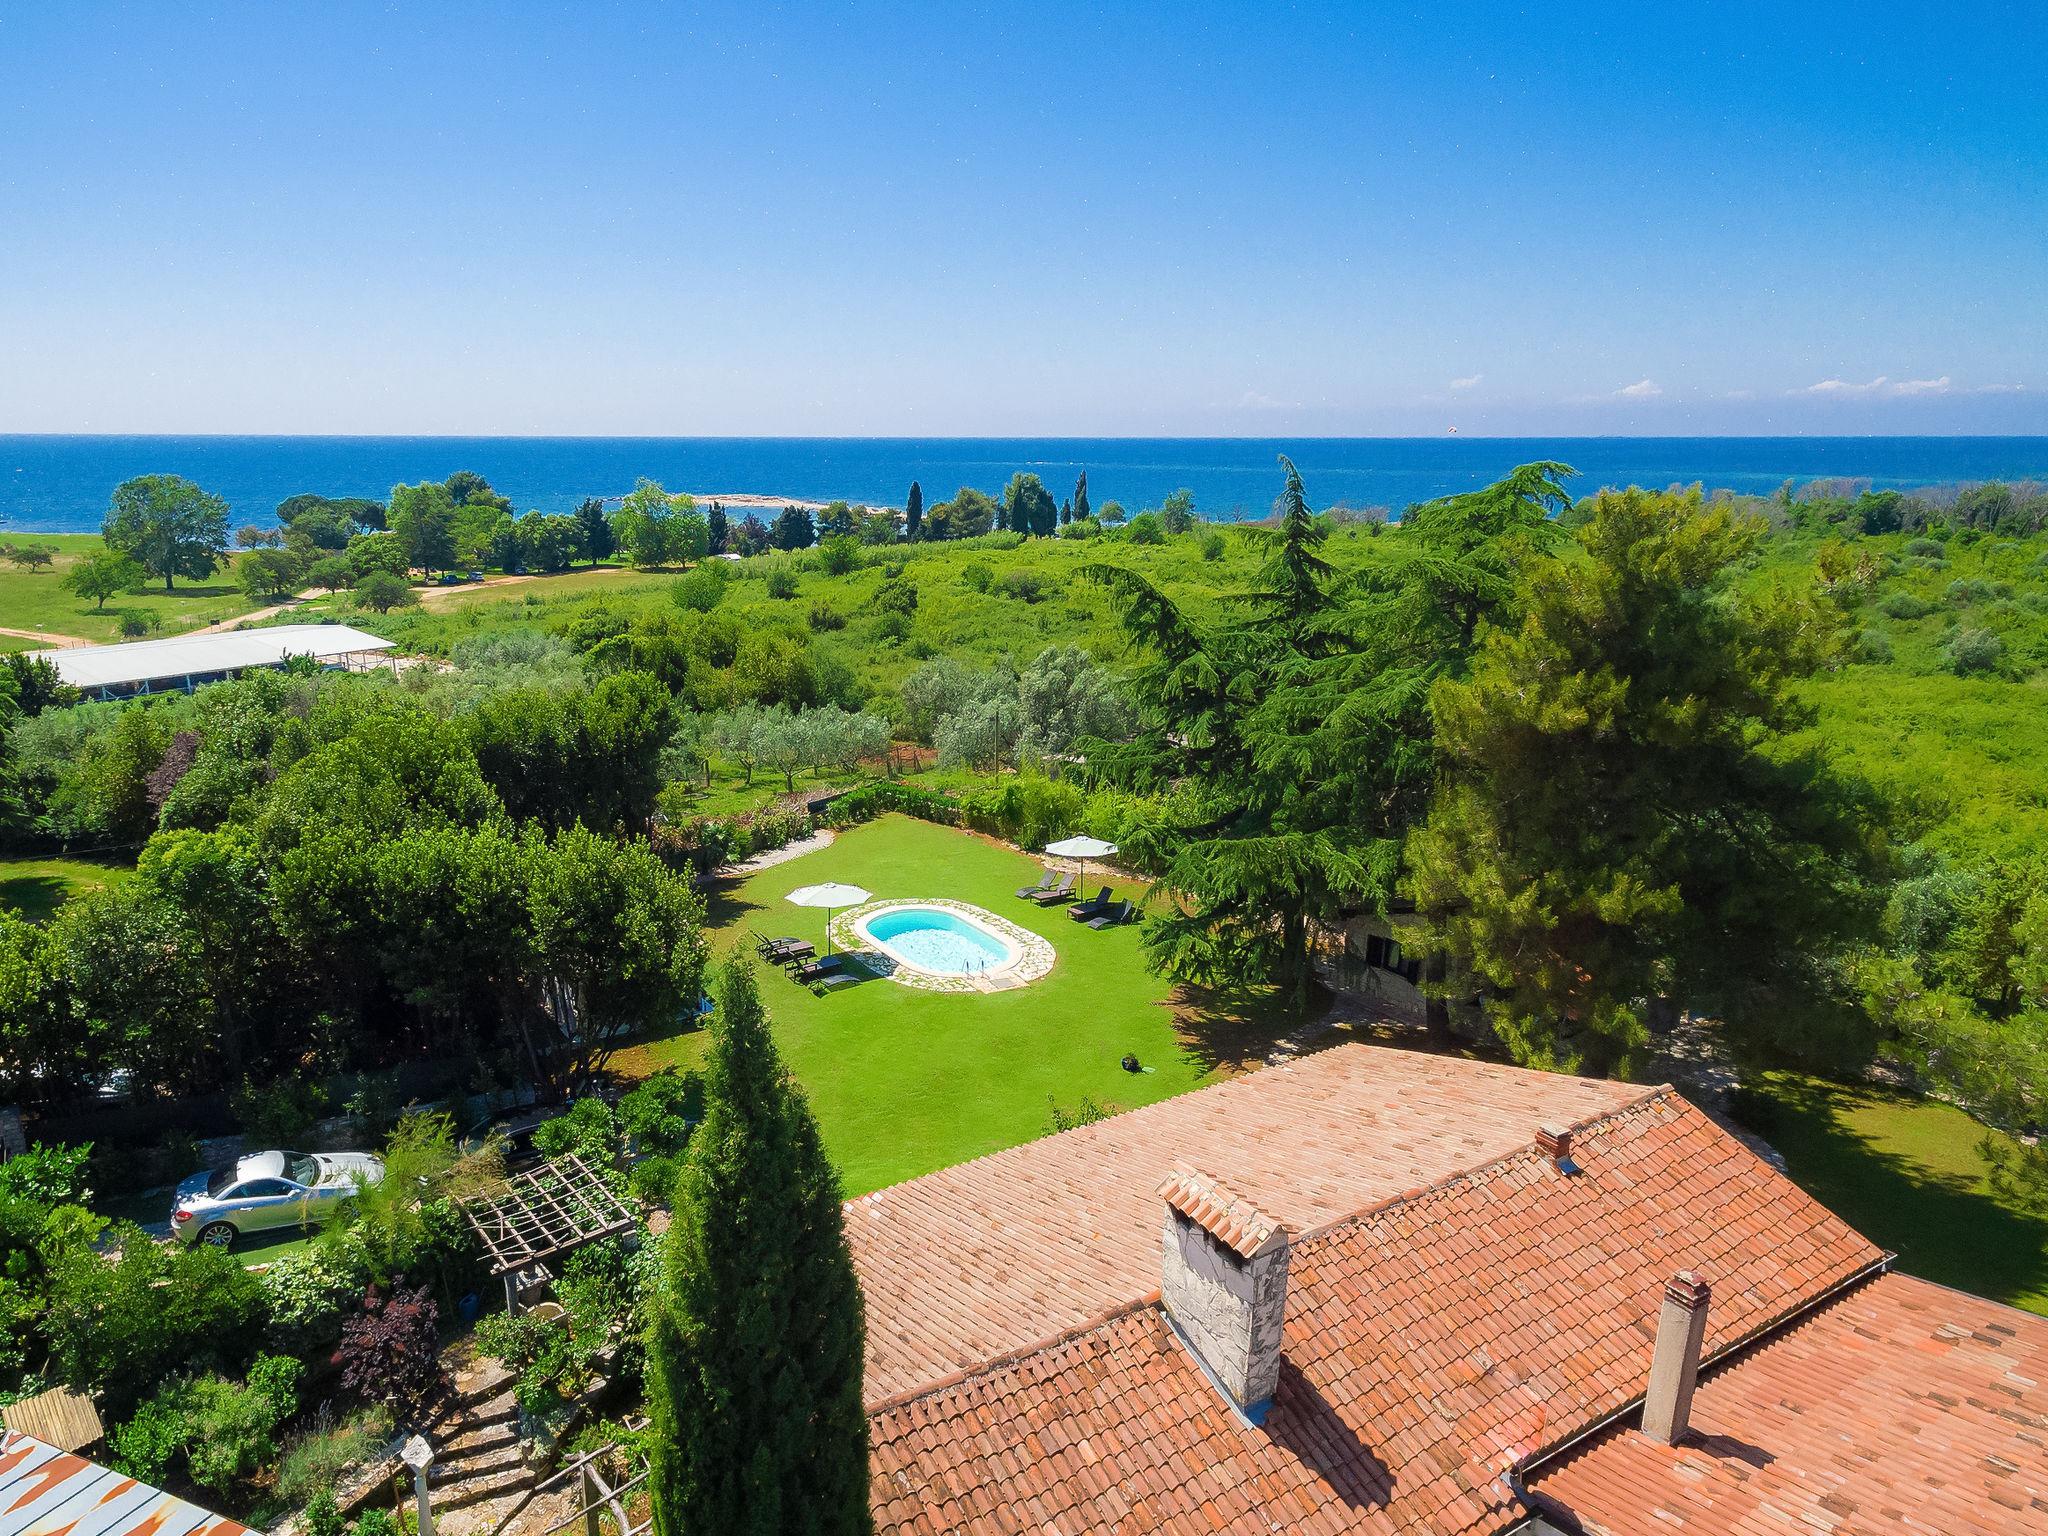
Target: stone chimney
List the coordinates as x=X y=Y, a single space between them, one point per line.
x=1675 y=1367
x=1224 y=1287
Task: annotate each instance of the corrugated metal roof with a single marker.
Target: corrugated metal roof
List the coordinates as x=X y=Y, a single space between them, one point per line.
x=45 y=1491
x=149 y=661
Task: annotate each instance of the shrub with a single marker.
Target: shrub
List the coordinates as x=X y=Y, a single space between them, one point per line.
x=1904 y=605
x=977 y=576
x=1974 y=650
x=45 y=1175
x=660 y=1114
x=314 y=1460
x=383 y=591
x=653 y=1180
x=839 y=554
x=702 y=589
x=590 y=1130
x=1925 y=547
x=1212 y=544
x=390 y=1352
x=1145 y=528
x=306 y=1293
x=375 y=1521
x=1874 y=646
x=136 y=622
x=1025 y=586
x=824 y=617
x=780 y=582
x=323 y=1515
x=896 y=596
x=224 y=1432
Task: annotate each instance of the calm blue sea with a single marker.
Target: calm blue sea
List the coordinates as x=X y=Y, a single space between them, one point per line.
x=60 y=484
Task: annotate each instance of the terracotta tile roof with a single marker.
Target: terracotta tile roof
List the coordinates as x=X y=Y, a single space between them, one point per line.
x=1236 y=1223
x=1898 y=1406
x=1432 y=1344
x=981 y=1260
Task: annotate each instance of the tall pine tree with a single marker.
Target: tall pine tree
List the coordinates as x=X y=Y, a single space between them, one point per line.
x=913 y=511
x=596 y=530
x=1081 y=497
x=717 y=529
x=754 y=1354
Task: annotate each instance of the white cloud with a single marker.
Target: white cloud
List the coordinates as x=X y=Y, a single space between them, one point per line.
x=1843 y=387
x=1470 y=383
x=1254 y=401
x=1642 y=389
x=1999 y=389
x=1921 y=386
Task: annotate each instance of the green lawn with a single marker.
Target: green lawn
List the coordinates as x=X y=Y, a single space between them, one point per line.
x=1906 y=1173
x=35 y=888
x=38 y=600
x=905 y=1081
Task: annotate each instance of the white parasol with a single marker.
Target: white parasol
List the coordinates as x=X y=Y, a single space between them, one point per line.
x=830 y=895
x=1084 y=849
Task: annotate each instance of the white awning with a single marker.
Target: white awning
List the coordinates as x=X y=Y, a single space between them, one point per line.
x=183 y=656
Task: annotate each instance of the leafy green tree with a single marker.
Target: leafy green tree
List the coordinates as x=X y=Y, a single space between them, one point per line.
x=1177 y=512
x=103 y=574
x=382 y=591
x=968 y=515
x=913 y=512
x=168 y=526
x=793 y=529
x=755 y=1349
x=423 y=518
x=269 y=572
x=35 y=556
x=1628 y=824
x=597 y=538
x=717 y=531
x=467 y=488
x=656 y=528
x=369 y=552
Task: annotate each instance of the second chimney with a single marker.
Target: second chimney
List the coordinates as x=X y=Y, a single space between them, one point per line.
x=1675 y=1367
x=1224 y=1286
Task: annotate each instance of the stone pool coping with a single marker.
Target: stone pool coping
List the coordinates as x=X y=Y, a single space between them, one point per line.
x=1032 y=955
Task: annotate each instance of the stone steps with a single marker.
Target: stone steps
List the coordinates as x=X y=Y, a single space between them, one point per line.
x=474 y=1490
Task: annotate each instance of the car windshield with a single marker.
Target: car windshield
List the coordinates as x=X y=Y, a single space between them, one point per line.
x=301 y=1169
x=220 y=1181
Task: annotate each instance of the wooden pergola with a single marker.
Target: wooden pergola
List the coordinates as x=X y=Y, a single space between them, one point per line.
x=544 y=1213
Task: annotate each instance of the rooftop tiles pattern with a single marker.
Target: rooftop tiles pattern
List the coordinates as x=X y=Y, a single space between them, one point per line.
x=1432 y=1344
x=1238 y=1224
x=48 y=1492
x=1899 y=1406
x=982 y=1260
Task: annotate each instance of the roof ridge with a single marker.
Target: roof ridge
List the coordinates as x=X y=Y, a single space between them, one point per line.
x=1099 y=1320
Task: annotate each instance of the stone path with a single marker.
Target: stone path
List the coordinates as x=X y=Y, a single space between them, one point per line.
x=479 y=1478
x=793 y=850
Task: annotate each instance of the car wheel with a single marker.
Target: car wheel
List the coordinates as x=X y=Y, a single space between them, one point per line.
x=217 y=1234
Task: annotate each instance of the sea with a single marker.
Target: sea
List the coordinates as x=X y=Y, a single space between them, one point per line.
x=60 y=484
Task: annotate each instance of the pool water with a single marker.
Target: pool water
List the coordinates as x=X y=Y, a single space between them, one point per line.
x=934 y=939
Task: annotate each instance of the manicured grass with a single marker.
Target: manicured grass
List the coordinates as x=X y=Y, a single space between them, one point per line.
x=904 y=1081
x=38 y=599
x=35 y=888
x=1907 y=1173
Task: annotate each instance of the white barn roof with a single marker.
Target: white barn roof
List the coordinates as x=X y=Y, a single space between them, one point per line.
x=182 y=656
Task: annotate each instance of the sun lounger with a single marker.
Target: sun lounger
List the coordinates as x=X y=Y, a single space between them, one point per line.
x=1045 y=883
x=813 y=970
x=782 y=951
x=1052 y=895
x=1094 y=906
x=1122 y=912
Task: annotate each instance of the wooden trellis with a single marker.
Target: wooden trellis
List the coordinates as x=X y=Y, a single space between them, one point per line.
x=544 y=1213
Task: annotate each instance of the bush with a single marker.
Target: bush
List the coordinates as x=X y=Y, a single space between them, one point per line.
x=1212 y=545
x=896 y=596
x=136 y=622
x=824 y=617
x=315 y=1459
x=1974 y=650
x=1904 y=605
x=660 y=1114
x=281 y=1113
x=383 y=591
x=224 y=1432
x=839 y=554
x=977 y=576
x=1146 y=528
x=780 y=582
x=1025 y=586
x=1975 y=589
x=390 y=1352
x=1925 y=547
x=590 y=1130
x=305 y=1295
x=702 y=589
x=1874 y=646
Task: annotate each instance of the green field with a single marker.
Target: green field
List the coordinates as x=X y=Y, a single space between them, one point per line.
x=905 y=1081
x=1907 y=1173
x=37 y=599
x=35 y=888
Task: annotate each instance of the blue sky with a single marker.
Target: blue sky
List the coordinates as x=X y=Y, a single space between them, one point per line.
x=1111 y=219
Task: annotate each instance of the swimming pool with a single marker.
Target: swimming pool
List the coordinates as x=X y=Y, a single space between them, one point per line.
x=936 y=941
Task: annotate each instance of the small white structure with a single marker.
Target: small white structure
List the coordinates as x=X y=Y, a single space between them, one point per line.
x=183 y=662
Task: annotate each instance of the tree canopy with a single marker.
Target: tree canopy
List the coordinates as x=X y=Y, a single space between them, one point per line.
x=168 y=526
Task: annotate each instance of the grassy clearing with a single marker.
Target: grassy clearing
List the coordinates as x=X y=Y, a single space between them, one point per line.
x=1908 y=1174
x=38 y=600
x=904 y=1081
x=35 y=888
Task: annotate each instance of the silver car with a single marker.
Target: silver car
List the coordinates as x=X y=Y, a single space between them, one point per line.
x=269 y=1190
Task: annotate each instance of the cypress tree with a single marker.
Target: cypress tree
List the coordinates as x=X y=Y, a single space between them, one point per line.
x=1081 y=496
x=1066 y=513
x=754 y=1352
x=716 y=528
x=596 y=529
x=913 y=511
